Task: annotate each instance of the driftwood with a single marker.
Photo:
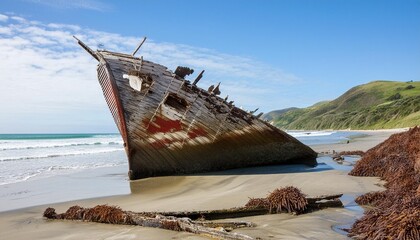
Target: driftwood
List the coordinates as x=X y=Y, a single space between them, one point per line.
x=288 y=199
x=213 y=230
x=314 y=204
x=114 y=215
x=183 y=221
x=246 y=211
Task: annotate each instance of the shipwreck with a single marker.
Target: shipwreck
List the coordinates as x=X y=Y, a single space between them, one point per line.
x=170 y=126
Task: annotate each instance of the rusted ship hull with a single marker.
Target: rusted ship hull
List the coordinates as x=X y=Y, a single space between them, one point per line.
x=171 y=127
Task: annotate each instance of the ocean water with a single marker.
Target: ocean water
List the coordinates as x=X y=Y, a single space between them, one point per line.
x=30 y=156
x=323 y=137
x=26 y=157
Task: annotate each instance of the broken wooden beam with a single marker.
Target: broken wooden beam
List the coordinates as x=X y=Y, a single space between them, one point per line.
x=86 y=48
x=216 y=91
x=188 y=221
x=139 y=46
x=198 y=78
x=252 y=112
x=314 y=204
x=287 y=199
x=323 y=197
x=114 y=215
x=216 y=214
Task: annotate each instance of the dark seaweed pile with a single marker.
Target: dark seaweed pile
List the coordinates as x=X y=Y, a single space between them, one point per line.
x=396 y=211
x=288 y=199
x=257 y=203
x=99 y=213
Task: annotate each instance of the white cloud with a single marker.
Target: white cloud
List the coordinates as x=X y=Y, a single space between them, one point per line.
x=3 y=18
x=19 y=19
x=81 y=4
x=48 y=80
x=5 y=31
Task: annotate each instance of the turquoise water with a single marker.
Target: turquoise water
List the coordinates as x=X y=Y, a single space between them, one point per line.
x=51 y=136
x=323 y=137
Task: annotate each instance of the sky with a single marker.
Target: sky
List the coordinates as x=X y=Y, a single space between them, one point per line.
x=266 y=54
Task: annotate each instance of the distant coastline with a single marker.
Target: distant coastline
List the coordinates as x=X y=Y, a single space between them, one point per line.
x=373 y=106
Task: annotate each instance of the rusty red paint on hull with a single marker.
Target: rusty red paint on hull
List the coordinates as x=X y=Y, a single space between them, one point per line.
x=197 y=132
x=211 y=133
x=161 y=125
x=167 y=126
x=161 y=143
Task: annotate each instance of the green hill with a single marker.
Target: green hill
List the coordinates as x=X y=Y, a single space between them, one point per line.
x=375 y=105
x=273 y=114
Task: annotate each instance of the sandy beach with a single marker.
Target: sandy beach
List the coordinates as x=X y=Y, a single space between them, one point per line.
x=208 y=191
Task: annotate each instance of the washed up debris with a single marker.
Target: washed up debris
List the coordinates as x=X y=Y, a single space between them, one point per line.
x=401 y=221
x=292 y=200
x=288 y=199
x=115 y=215
x=370 y=198
x=340 y=157
x=352 y=153
x=396 y=211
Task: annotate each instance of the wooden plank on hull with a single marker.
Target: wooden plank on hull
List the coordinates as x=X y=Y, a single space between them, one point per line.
x=162 y=152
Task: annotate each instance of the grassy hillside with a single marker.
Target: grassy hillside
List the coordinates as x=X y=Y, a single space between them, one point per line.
x=271 y=115
x=375 y=105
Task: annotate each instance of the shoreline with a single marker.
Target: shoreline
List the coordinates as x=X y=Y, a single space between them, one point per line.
x=353 y=130
x=368 y=140
x=206 y=191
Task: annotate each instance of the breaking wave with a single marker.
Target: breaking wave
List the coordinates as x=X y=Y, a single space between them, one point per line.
x=32 y=156
x=310 y=133
x=55 y=146
x=60 y=155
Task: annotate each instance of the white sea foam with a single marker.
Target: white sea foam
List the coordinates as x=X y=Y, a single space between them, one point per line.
x=14 y=147
x=72 y=153
x=27 y=157
x=57 y=143
x=300 y=134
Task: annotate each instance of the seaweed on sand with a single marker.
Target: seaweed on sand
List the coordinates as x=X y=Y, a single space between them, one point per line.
x=99 y=213
x=107 y=214
x=257 y=202
x=74 y=212
x=396 y=213
x=114 y=215
x=356 y=152
x=401 y=221
x=289 y=198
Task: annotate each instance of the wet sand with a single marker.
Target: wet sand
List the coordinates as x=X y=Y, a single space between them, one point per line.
x=196 y=192
x=367 y=140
